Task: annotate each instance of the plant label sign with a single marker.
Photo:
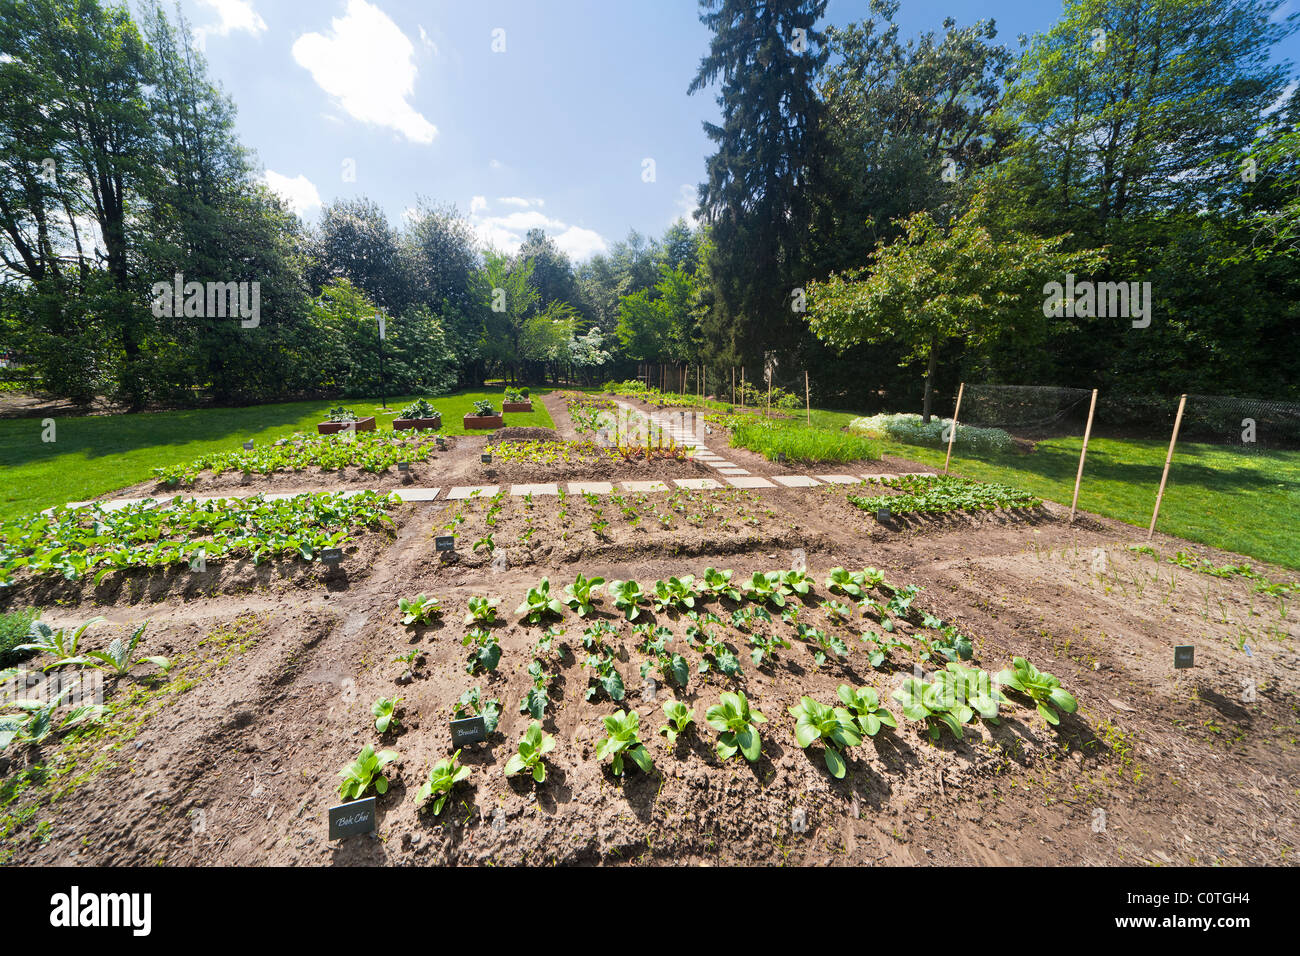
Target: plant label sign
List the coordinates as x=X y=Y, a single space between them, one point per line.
x=404 y=466
x=471 y=730
x=1184 y=656
x=486 y=459
x=332 y=557
x=445 y=542
x=780 y=458
x=248 y=446
x=882 y=514
x=350 y=819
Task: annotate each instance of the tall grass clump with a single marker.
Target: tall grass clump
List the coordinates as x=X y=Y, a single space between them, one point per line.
x=802 y=442
x=15 y=628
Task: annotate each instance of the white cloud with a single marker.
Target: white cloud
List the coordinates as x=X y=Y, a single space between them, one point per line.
x=684 y=206
x=428 y=41
x=505 y=230
x=299 y=191
x=366 y=65
x=496 y=164
x=236 y=16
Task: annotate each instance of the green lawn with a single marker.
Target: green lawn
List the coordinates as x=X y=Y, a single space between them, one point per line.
x=98 y=454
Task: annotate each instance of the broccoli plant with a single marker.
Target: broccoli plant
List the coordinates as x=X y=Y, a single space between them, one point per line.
x=675 y=594
x=385 y=712
x=420 y=609
x=622 y=739
x=363 y=773
x=743 y=617
x=482 y=611
x=833 y=726
x=837 y=610
x=797 y=581
x=539 y=603
x=605 y=676
x=737 y=726
x=714 y=652
x=533 y=746
x=680 y=718
x=934 y=703
x=538 y=696
x=444 y=775
x=864 y=704
x=581 y=594
x=718 y=583
x=1040 y=687
x=654 y=642
x=881 y=648
x=486 y=652
x=823 y=643
x=627 y=598
x=472 y=704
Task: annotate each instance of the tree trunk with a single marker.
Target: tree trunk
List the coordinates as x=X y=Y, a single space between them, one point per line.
x=929 y=383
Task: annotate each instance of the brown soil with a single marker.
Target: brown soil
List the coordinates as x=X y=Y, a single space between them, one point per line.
x=232 y=759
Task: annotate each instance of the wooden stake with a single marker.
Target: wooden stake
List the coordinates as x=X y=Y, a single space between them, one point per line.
x=1083 y=453
x=733 y=385
x=1173 y=440
x=952 y=436
x=807 y=396
x=769 y=395
x=742 y=386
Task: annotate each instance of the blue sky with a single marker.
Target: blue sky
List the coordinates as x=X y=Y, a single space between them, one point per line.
x=400 y=100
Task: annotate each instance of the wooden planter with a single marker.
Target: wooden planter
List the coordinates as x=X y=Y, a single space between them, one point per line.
x=517 y=406
x=333 y=428
x=484 y=421
x=403 y=424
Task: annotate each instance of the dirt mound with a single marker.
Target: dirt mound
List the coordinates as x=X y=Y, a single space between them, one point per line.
x=520 y=433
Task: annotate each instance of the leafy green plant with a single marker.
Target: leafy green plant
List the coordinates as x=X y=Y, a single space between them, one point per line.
x=680 y=718
x=824 y=643
x=672 y=667
x=797 y=581
x=628 y=597
x=769 y=588
x=420 y=408
x=840 y=581
x=934 y=703
x=675 y=594
x=882 y=645
x=837 y=610
x=385 y=712
x=581 y=594
x=419 y=609
x=864 y=704
x=715 y=653
x=538 y=696
x=484 y=407
x=341 y=414
x=975 y=687
x=15 y=630
x=538 y=603
x=765 y=647
x=35 y=720
x=605 y=676
x=718 y=583
x=444 y=775
x=623 y=739
x=362 y=773
x=58 y=644
x=486 y=652
x=835 y=727
x=1040 y=687
x=117 y=657
x=485 y=542
x=482 y=610
x=473 y=704
x=533 y=746
x=737 y=726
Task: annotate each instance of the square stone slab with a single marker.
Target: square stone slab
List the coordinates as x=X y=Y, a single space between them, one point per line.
x=840 y=479
x=751 y=482
x=467 y=491
x=644 y=486
x=797 y=481
x=542 y=489
x=418 y=494
x=590 y=487
x=724 y=464
x=732 y=471
x=696 y=484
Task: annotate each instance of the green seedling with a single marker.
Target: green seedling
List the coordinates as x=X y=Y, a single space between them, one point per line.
x=835 y=727
x=797 y=581
x=581 y=594
x=718 y=583
x=627 y=598
x=672 y=667
x=444 y=775
x=680 y=718
x=482 y=611
x=486 y=653
x=539 y=603
x=385 y=711
x=419 y=609
x=117 y=658
x=533 y=746
x=363 y=773
x=737 y=726
x=623 y=740
x=767 y=588
x=936 y=704
x=840 y=581
x=675 y=594
x=1040 y=687
x=57 y=644
x=864 y=704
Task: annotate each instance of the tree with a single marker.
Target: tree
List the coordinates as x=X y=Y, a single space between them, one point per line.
x=756 y=197
x=354 y=241
x=661 y=324
x=936 y=285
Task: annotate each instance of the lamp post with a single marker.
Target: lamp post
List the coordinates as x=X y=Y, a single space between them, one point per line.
x=381 y=319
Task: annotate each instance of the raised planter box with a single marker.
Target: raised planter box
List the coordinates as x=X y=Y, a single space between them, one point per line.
x=517 y=406
x=403 y=424
x=484 y=421
x=333 y=428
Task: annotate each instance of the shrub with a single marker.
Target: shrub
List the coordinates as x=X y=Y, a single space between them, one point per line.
x=420 y=408
x=14 y=630
x=911 y=430
x=340 y=414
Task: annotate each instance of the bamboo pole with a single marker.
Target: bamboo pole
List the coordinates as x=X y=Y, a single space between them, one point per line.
x=1173 y=440
x=807 y=396
x=1083 y=453
x=952 y=436
x=742 y=386
x=768 y=413
x=733 y=385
